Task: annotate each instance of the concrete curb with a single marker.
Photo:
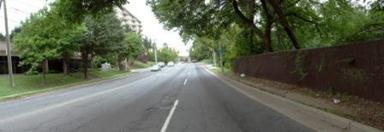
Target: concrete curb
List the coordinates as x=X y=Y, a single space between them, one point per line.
x=311 y=117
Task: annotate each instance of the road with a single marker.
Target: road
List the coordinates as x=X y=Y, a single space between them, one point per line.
x=184 y=98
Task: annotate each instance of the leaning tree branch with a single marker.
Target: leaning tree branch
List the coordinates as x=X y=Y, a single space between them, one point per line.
x=245 y=19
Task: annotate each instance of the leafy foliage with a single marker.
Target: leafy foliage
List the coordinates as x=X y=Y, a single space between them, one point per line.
x=132 y=45
x=103 y=34
x=165 y=54
x=244 y=27
x=70 y=27
x=77 y=10
x=36 y=42
x=2 y=37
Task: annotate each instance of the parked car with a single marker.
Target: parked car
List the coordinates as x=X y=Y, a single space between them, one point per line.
x=155 y=68
x=161 y=64
x=171 y=64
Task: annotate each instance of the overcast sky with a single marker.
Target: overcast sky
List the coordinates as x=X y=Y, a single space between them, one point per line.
x=19 y=10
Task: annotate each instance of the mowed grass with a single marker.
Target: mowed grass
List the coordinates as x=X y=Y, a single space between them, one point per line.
x=35 y=83
x=138 y=64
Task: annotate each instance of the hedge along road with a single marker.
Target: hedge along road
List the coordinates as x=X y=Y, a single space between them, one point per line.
x=180 y=98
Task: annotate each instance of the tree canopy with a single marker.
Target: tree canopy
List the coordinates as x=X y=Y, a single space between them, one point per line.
x=77 y=10
x=167 y=54
x=72 y=27
x=244 y=27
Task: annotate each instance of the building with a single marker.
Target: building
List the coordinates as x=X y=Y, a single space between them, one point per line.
x=15 y=60
x=55 y=65
x=3 y=48
x=128 y=19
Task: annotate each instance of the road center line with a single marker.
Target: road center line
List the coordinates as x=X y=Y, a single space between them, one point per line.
x=185 y=81
x=166 y=123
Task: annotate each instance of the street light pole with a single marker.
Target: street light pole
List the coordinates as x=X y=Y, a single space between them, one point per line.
x=9 y=53
x=155 y=50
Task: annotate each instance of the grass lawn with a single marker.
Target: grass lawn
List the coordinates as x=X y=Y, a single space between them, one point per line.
x=220 y=71
x=138 y=64
x=30 y=84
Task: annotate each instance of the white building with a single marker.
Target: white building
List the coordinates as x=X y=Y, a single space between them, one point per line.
x=127 y=18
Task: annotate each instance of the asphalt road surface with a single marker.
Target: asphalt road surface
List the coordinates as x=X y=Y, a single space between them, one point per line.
x=184 y=98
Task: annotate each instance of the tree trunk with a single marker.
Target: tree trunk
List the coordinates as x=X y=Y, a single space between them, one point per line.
x=65 y=67
x=91 y=61
x=268 y=27
x=267 y=36
x=132 y=62
x=126 y=64
x=247 y=21
x=129 y=63
x=65 y=63
x=84 y=58
x=120 y=63
x=284 y=22
x=45 y=70
x=214 y=58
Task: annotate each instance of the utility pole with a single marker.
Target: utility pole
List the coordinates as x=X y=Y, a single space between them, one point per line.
x=9 y=53
x=155 y=50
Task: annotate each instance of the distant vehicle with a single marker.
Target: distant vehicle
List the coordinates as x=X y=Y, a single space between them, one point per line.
x=161 y=64
x=171 y=64
x=155 y=68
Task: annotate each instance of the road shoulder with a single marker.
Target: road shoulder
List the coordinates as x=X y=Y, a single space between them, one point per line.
x=306 y=115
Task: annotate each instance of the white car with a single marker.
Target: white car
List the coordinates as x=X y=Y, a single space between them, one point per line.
x=161 y=64
x=170 y=64
x=155 y=68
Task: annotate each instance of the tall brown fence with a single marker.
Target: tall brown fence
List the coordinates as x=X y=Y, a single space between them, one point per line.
x=356 y=68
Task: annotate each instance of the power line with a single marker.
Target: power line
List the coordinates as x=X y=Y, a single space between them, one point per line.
x=20 y=11
x=25 y=4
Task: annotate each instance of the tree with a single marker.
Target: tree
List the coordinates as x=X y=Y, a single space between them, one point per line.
x=373 y=28
x=68 y=35
x=203 y=18
x=35 y=42
x=147 y=44
x=132 y=47
x=14 y=32
x=60 y=36
x=104 y=35
x=77 y=10
x=199 y=52
x=167 y=54
x=2 y=37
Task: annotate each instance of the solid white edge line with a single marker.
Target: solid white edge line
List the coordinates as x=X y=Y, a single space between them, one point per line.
x=166 y=123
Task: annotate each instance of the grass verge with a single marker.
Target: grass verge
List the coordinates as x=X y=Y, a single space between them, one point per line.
x=33 y=84
x=138 y=64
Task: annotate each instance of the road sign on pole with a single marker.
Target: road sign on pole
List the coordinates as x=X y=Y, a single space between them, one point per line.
x=9 y=53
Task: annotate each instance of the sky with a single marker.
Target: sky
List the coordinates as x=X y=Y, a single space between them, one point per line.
x=153 y=29
x=20 y=10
